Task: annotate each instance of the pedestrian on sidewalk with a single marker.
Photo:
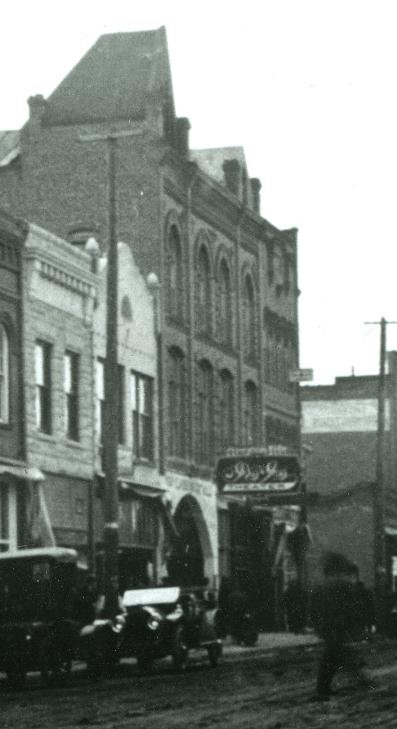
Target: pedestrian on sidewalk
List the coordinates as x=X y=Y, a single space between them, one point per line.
x=294 y=603
x=336 y=621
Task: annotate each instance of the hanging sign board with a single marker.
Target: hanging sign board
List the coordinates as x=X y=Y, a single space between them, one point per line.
x=300 y=375
x=260 y=475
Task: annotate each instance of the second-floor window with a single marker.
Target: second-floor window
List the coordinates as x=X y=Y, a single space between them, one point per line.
x=177 y=403
x=226 y=407
x=100 y=402
x=251 y=415
x=205 y=414
x=141 y=388
x=71 y=393
x=42 y=361
x=4 y=375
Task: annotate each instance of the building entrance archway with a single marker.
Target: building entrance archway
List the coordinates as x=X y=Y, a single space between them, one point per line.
x=195 y=543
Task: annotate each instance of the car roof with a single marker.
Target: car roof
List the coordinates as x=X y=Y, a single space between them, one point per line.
x=60 y=554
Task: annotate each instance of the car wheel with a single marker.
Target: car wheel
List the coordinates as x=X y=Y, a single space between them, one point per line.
x=250 y=638
x=16 y=677
x=145 y=664
x=179 y=651
x=214 y=654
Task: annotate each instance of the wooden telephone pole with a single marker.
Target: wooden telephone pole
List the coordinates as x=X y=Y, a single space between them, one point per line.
x=379 y=489
x=111 y=415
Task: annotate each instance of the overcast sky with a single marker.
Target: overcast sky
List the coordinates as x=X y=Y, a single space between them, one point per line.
x=308 y=88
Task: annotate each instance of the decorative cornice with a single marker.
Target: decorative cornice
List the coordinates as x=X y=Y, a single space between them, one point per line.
x=63 y=278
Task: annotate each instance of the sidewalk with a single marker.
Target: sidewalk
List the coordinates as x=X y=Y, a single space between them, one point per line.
x=271 y=642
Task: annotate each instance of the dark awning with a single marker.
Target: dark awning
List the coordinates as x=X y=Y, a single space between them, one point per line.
x=23 y=473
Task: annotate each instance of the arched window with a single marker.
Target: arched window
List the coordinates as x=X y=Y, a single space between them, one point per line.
x=203 y=297
x=175 y=278
x=226 y=407
x=205 y=413
x=224 y=304
x=249 y=319
x=176 y=403
x=251 y=413
x=4 y=375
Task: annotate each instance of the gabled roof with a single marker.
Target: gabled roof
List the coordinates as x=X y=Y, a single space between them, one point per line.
x=211 y=161
x=9 y=146
x=114 y=80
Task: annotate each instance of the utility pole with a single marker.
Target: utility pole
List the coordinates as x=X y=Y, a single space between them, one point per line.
x=379 y=489
x=111 y=415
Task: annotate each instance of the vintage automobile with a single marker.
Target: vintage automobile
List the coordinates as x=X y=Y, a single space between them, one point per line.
x=169 y=621
x=156 y=622
x=39 y=629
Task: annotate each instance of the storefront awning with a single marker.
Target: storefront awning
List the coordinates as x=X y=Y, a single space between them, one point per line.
x=140 y=489
x=23 y=473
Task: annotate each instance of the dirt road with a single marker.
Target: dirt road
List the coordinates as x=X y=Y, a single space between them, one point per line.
x=265 y=692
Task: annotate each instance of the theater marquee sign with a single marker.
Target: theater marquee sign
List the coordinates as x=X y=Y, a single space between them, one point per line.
x=265 y=476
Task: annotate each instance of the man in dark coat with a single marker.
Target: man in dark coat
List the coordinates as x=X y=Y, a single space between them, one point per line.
x=335 y=619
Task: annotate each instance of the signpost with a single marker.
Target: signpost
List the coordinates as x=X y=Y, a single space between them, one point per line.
x=301 y=375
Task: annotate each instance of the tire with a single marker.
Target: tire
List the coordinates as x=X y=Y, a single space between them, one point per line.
x=214 y=654
x=56 y=669
x=180 y=652
x=250 y=638
x=145 y=664
x=16 y=677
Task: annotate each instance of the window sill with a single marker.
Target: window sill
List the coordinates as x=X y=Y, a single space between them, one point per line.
x=48 y=437
x=5 y=426
x=73 y=444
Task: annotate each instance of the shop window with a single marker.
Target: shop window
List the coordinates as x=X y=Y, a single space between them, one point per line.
x=4 y=375
x=142 y=415
x=176 y=403
x=71 y=366
x=205 y=414
x=43 y=386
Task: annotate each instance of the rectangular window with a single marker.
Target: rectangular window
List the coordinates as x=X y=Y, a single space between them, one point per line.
x=100 y=398
x=121 y=401
x=100 y=401
x=141 y=389
x=71 y=392
x=4 y=376
x=42 y=363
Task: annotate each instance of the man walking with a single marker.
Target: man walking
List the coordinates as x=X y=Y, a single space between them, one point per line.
x=336 y=620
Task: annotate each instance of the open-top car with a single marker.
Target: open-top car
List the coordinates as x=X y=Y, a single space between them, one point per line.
x=169 y=621
x=38 y=625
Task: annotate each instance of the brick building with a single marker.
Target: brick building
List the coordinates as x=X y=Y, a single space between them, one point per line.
x=15 y=477
x=339 y=424
x=228 y=319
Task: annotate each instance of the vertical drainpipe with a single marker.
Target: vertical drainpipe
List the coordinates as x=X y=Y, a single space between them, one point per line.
x=191 y=327
x=261 y=379
x=22 y=293
x=239 y=342
x=159 y=301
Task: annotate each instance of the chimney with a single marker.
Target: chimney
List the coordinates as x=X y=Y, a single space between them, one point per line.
x=232 y=172
x=37 y=107
x=182 y=136
x=256 y=196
